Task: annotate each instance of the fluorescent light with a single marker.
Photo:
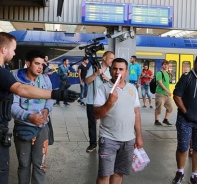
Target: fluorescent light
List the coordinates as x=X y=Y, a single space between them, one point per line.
x=6 y=26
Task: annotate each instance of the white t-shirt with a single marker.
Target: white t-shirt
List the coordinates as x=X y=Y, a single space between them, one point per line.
x=118 y=124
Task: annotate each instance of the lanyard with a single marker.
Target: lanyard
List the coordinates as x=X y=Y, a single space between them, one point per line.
x=28 y=103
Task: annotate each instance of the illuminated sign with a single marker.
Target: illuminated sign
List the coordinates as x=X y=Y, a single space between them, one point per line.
x=104 y=13
x=97 y=13
x=150 y=16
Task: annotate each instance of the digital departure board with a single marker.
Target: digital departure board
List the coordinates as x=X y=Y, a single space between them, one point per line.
x=150 y=16
x=104 y=13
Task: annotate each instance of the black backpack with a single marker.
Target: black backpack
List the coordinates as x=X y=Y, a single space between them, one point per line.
x=153 y=83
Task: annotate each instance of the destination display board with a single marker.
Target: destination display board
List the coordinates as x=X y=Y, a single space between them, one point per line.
x=150 y=16
x=104 y=13
x=97 y=13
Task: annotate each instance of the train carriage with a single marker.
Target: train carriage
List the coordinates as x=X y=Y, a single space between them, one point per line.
x=180 y=52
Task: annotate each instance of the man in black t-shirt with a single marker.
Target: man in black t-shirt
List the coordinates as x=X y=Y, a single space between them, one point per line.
x=82 y=71
x=9 y=85
x=185 y=97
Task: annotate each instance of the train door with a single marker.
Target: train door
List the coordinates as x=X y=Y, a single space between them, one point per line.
x=186 y=63
x=178 y=64
x=174 y=66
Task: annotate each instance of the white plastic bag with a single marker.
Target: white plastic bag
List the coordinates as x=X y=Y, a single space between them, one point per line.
x=140 y=159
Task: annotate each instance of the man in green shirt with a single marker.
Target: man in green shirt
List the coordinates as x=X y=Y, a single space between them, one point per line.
x=162 y=95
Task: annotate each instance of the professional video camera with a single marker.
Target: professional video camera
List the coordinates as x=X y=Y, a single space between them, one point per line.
x=91 y=49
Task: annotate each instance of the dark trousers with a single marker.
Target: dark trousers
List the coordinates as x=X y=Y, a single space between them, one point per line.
x=91 y=125
x=4 y=164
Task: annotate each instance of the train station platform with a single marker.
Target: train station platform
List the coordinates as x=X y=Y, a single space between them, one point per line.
x=68 y=162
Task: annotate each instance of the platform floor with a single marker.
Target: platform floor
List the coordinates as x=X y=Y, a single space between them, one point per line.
x=68 y=162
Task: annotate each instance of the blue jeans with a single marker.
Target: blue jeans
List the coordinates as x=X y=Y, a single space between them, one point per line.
x=145 y=89
x=91 y=125
x=134 y=83
x=83 y=92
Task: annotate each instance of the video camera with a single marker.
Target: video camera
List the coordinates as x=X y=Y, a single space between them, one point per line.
x=91 y=49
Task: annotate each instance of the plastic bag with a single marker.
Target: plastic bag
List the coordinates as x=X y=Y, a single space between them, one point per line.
x=140 y=159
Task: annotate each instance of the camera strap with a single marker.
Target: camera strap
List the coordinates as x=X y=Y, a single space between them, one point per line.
x=5 y=107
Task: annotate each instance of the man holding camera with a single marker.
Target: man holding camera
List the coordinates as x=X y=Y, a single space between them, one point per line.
x=94 y=78
x=9 y=85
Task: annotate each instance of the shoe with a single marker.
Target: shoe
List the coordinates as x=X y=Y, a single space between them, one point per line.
x=56 y=105
x=143 y=106
x=90 y=149
x=193 y=180
x=166 y=122
x=151 y=106
x=78 y=100
x=158 y=123
x=66 y=103
x=83 y=104
x=178 y=178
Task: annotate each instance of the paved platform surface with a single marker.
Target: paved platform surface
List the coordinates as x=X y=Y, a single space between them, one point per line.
x=68 y=162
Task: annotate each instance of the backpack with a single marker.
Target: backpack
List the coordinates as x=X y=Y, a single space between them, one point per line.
x=153 y=83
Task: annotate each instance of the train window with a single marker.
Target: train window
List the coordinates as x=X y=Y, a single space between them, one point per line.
x=186 y=66
x=152 y=66
x=172 y=71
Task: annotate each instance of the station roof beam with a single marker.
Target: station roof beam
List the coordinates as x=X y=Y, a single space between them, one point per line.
x=42 y=3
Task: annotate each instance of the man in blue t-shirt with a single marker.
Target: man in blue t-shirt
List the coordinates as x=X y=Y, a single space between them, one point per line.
x=134 y=72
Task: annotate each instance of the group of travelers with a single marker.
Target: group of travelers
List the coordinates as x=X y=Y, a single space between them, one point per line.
x=143 y=78
x=118 y=136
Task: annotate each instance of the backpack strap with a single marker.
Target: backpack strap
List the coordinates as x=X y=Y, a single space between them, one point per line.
x=163 y=77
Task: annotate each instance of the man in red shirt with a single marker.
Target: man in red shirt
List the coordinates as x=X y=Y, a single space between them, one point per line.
x=146 y=77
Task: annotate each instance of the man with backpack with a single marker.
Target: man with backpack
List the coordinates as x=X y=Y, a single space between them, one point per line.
x=162 y=95
x=185 y=97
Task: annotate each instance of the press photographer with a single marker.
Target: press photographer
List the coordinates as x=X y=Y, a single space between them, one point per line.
x=97 y=74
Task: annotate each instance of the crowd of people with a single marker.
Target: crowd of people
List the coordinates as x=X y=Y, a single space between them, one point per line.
x=27 y=97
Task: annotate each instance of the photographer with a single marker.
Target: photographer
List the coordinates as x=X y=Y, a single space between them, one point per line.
x=9 y=85
x=94 y=78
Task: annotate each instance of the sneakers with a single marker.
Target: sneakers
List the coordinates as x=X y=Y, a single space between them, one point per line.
x=56 y=105
x=193 y=180
x=178 y=178
x=158 y=123
x=166 y=122
x=90 y=148
x=83 y=104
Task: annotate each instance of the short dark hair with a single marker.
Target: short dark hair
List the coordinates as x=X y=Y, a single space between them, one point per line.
x=64 y=59
x=164 y=62
x=85 y=58
x=31 y=55
x=134 y=57
x=120 y=60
